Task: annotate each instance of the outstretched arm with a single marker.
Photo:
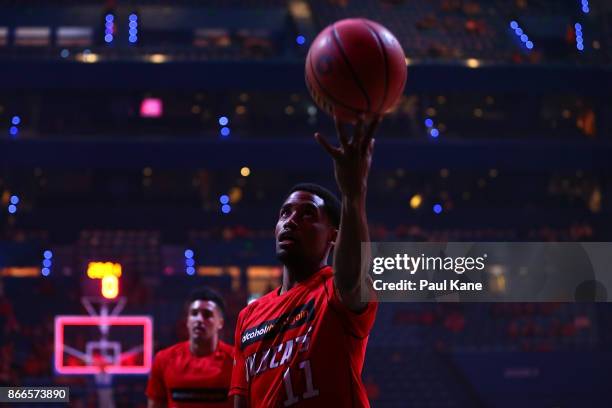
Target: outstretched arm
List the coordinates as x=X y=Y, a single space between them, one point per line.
x=352 y=161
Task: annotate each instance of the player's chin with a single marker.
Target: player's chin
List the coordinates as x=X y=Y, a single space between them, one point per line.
x=281 y=253
x=286 y=254
x=199 y=334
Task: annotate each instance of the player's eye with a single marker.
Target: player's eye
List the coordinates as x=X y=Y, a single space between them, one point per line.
x=309 y=213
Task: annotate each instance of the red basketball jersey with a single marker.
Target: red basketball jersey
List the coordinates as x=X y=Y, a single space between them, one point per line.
x=187 y=381
x=302 y=348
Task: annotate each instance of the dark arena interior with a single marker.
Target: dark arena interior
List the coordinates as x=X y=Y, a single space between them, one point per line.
x=162 y=137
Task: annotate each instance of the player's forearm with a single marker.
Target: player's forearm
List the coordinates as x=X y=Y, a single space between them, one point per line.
x=347 y=254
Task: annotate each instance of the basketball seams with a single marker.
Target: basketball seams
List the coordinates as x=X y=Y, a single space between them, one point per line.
x=374 y=71
x=383 y=50
x=326 y=93
x=338 y=43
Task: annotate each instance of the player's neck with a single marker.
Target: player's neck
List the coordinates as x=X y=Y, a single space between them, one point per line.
x=294 y=274
x=203 y=347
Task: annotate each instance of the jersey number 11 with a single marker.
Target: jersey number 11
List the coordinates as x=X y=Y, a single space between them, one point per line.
x=310 y=390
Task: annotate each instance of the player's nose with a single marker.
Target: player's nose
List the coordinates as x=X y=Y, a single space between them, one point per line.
x=291 y=222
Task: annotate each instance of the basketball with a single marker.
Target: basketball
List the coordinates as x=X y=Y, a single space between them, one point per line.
x=355 y=66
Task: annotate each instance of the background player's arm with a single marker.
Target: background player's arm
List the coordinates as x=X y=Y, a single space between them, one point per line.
x=156 y=404
x=239 y=401
x=352 y=161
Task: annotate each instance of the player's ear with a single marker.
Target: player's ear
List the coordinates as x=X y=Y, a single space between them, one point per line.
x=221 y=323
x=333 y=235
x=220 y=320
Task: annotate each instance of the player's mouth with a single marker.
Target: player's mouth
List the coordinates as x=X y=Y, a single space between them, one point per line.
x=286 y=238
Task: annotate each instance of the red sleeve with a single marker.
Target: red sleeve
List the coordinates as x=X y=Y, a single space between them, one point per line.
x=156 y=389
x=357 y=324
x=239 y=385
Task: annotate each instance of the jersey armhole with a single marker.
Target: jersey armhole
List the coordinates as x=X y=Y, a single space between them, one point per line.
x=334 y=302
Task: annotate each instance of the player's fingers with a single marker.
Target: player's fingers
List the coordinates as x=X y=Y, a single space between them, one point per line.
x=359 y=130
x=369 y=151
x=369 y=133
x=341 y=131
x=374 y=125
x=333 y=151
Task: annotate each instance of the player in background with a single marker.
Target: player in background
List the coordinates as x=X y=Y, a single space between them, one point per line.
x=304 y=343
x=197 y=372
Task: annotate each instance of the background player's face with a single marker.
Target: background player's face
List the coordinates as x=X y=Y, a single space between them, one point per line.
x=303 y=230
x=204 y=319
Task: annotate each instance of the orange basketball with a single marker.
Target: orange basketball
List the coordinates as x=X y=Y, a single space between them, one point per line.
x=355 y=66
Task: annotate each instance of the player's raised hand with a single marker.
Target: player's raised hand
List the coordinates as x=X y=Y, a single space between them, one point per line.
x=352 y=159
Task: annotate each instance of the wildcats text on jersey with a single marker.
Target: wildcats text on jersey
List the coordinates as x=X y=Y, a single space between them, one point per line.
x=276 y=356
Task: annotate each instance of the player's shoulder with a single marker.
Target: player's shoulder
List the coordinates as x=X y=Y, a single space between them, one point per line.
x=172 y=351
x=225 y=348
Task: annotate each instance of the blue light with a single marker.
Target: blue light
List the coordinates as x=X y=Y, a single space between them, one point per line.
x=133 y=24
x=133 y=32
x=521 y=34
x=48 y=254
x=224 y=199
x=437 y=208
x=428 y=122
x=223 y=120
x=16 y=120
x=585 y=9
x=226 y=208
x=225 y=131
x=108 y=38
x=435 y=133
x=65 y=53
x=300 y=39
x=46 y=263
x=190 y=270
x=12 y=209
x=45 y=271
x=133 y=17
x=110 y=18
x=189 y=262
x=109 y=26
x=133 y=39
x=188 y=253
x=14 y=130
x=14 y=200
x=579 y=38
